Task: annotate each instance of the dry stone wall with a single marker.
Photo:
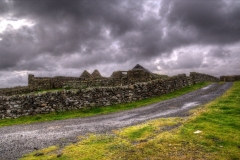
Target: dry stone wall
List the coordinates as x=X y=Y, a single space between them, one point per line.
x=199 y=77
x=139 y=76
x=230 y=78
x=45 y=83
x=103 y=82
x=118 y=78
x=23 y=105
x=38 y=84
x=17 y=90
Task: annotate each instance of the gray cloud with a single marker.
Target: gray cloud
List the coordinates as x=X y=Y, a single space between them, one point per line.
x=214 y=21
x=115 y=35
x=220 y=53
x=3 y=7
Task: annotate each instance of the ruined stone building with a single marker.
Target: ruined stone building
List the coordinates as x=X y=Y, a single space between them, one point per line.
x=118 y=78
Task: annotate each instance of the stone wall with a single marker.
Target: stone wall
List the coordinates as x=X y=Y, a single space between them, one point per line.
x=230 y=78
x=38 y=84
x=138 y=76
x=103 y=82
x=23 y=105
x=17 y=90
x=117 y=79
x=48 y=83
x=200 y=77
x=45 y=83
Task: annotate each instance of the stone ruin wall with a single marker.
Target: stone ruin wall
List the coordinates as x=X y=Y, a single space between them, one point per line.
x=32 y=104
x=15 y=90
x=200 y=77
x=48 y=83
x=118 y=79
x=38 y=84
x=230 y=78
x=138 y=76
x=108 y=82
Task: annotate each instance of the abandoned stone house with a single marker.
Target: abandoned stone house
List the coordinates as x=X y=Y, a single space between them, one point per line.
x=118 y=78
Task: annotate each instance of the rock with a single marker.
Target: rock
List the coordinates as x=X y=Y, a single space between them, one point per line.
x=44 y=104
x=86 y=102
x=131 y=87
x=16 y=106
x=197 y=132
x=114 y=98
x=107 y=104
x=8 y=111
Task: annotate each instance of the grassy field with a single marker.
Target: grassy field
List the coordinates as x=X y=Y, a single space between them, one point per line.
x=99 y=110
x=211 y=132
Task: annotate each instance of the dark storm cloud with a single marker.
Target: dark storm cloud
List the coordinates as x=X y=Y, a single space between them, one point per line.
x=220 y=53
x=68 y=27
x=16 y=46
x=78 y=26
x=214 y=21
x=70 y=34
x=64 y=28
x=83 y=15
x=3 y=7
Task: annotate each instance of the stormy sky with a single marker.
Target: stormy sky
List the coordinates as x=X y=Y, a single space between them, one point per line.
x=65 y=37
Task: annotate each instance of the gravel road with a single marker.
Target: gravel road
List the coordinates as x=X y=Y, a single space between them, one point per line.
x=21 y=139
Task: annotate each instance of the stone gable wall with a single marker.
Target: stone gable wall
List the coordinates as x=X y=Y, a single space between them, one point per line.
x=23 y=105
x=38 y=84
x=45 y=83
x=138 y=76
x=102 y=82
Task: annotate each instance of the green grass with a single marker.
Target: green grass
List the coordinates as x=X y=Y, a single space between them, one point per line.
x=163 y=138
x=98 y=110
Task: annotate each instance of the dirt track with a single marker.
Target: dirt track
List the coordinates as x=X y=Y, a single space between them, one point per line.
x=18 y=140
